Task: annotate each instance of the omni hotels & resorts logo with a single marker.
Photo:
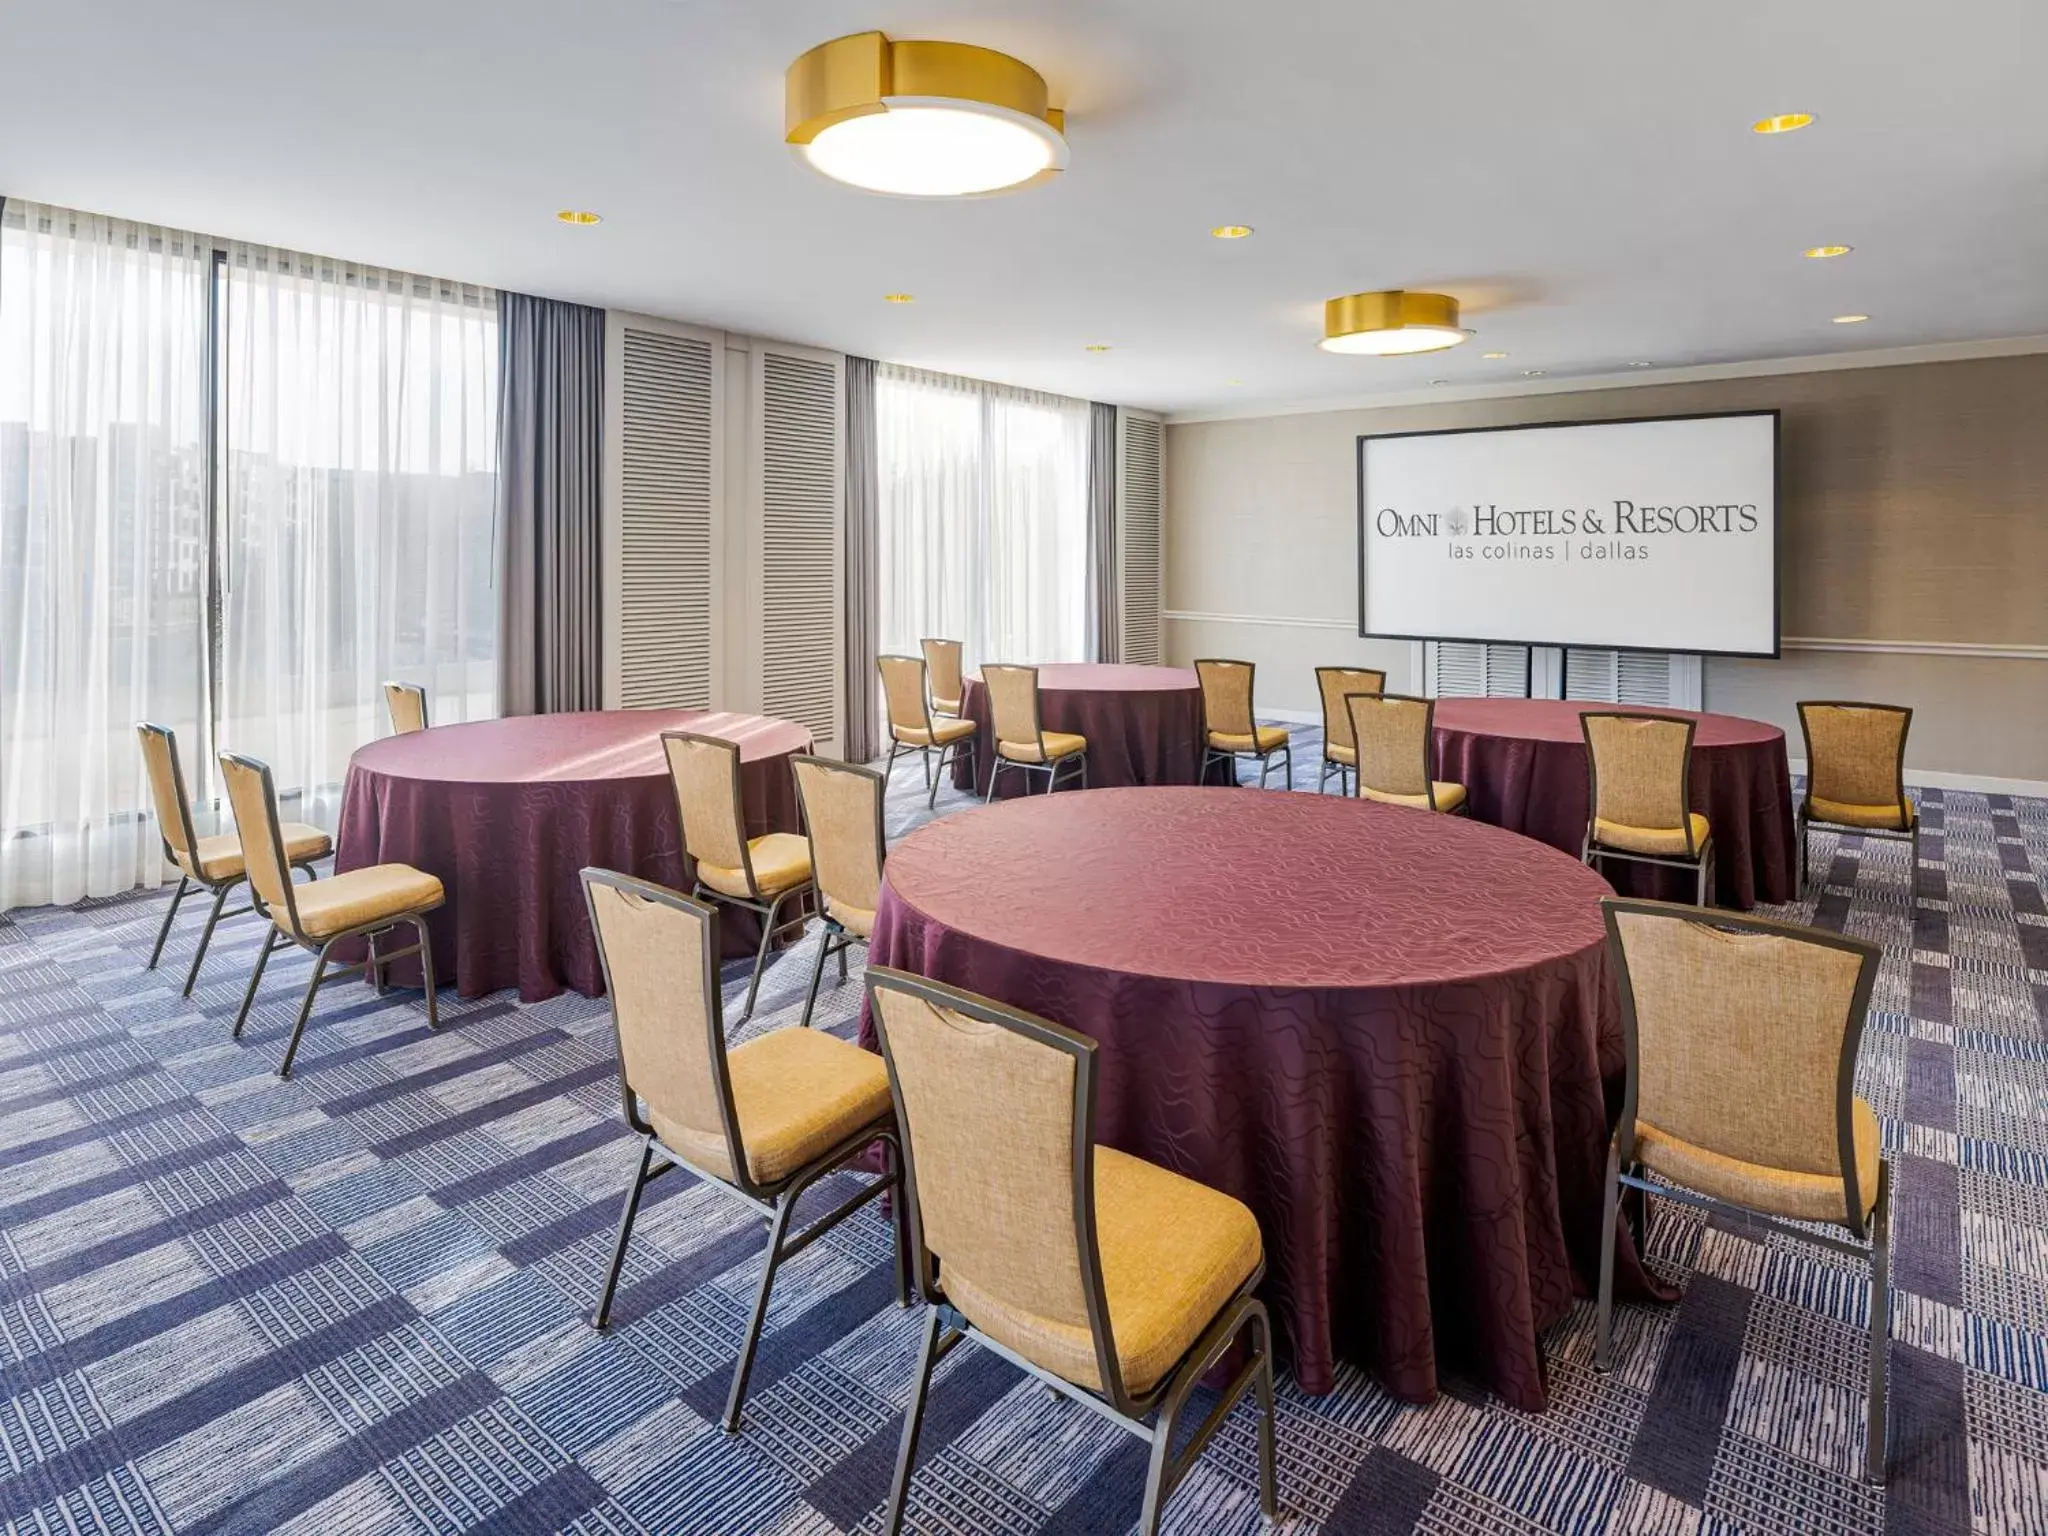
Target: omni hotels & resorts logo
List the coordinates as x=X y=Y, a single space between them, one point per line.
x=1621 y=530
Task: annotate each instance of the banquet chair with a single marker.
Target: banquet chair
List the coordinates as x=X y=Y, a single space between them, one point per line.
x=1229 y=730
x=1340 y=750
x=1856 y=776
x=760 y=874
x=942 y=663
x=356 y=904
x=1394 y=739
x=1641 y=795
x=914 y=728
x=407 y=703
x=1116 y=1282
x=763 y=1122
x=842 y=807
x=210 y=863
x=1022 y=741
x=1740 y=1037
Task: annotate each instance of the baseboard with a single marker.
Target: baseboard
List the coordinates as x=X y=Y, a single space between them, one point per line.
x=1974 y=783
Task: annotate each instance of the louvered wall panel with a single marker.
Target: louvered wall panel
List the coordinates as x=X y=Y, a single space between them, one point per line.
x=1621 y=677
x=1139 y=519
x=800 y=570
x=1466 y=670
x=664 y=608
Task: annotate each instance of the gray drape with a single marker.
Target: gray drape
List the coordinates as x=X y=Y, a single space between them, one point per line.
x=1105 y=602
x=863 y=496
x=550 y=564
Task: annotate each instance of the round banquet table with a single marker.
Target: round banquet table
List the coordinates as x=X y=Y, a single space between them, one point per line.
x=1523 y=765
x=507 y=812
x=1143 y=724
x=1393 y=1035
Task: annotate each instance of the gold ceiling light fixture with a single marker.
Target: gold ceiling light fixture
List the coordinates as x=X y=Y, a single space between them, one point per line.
x=1850 y=319
x=1391 y=323
x=1098 y=346
x=1493 y=357
x=899 y=298
x=1825 y=252
x=1784 y=122
x=1231 y=231
x=580 y=218
x=921 y=119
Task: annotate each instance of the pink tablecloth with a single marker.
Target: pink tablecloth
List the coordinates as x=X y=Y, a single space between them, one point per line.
x=1523 y=762
x=1393 y=1035
x=507 y=812
x=1143 y=724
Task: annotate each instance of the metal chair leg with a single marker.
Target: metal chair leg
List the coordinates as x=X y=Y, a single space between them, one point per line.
x=270 y=942
x=164 y=931
x=1156 y=1493
x=925 y=757
x=1880 y=1324
x=817 y=975
x=1269 y=1476
x=291 y=1050
x=206 y=937
x=602 y=1317
x=1610 y=1203
x=761 y=955
x=419 y=926
x=778 y=1228
x=913 y=1422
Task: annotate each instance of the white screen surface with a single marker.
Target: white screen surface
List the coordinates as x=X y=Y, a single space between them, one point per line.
x=1655 y=535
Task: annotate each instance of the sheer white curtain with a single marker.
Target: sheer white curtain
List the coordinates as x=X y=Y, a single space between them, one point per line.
x=102 y=539
x=358 y=465
x=982 y=518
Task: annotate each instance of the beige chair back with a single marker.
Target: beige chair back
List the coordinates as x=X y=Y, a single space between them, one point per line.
x=1012 y=702
x=1226 y=697
x=408 y=705
x=1641 y=770
x=994 y=1108
x=659 y=950
x=706 y=774
x=903 y=679
x=942 y=657
x=1392 y=732
x=1742 y=1034
x=1336 y=684
x=253 y=799
x=842 y=807
x=1856 y=753
x=167 y=792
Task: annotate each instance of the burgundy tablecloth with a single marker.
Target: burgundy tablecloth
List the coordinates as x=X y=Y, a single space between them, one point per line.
x=1523 y=763
x=1143 y=724
x=507 y=812
x=1393 y=1035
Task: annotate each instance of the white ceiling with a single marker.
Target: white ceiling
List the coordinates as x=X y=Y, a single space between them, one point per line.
x=1580 y=173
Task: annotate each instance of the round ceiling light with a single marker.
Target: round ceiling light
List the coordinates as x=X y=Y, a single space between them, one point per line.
x=921 y=119
x=581 y=218
x=1825 y=252
x=1391 y=324
x=1784 y=122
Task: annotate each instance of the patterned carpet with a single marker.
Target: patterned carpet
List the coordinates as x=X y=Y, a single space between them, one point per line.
x=355 y=1302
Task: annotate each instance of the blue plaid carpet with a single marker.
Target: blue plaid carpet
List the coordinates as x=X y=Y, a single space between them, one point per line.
x=356 y=1302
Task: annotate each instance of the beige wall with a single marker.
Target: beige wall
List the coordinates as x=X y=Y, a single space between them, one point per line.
x=1914 y=508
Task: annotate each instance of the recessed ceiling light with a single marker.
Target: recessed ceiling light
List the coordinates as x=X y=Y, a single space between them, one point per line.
x=1823 y=252
x=1235 y=383
x=1642 y=365
x=1231 y=231
x=1433 y=383
x=921 y=119
x=1096 y=346
x=1532 y=373
x=1493 y=356
x=1850 y=319
x=1391 y=323
x=582 y=218
x=899 y=298
x=1784 y=122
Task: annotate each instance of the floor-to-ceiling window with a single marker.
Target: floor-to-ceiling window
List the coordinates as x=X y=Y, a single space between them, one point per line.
x=238 y=489
x=982 y=517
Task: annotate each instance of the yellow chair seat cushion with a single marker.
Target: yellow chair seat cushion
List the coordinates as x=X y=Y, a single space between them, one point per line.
x=220 y=858
x=798 y=1093
x=857 y=921
x=1774 y=1191
x=1058 y=744
x=1448 y=797
x=781 y=860
x=1264 y=738
x=1348 y=756
x=360 y=897
x=1173 y=1254
x=1884 y=818
x=943 y=733
x=1656 y=840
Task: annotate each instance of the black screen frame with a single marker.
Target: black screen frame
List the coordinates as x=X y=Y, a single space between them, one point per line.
x=1775 y=653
